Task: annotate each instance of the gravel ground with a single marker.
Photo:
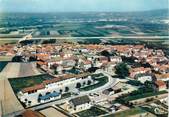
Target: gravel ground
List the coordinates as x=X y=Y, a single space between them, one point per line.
x=8 y=101
x=14 y=70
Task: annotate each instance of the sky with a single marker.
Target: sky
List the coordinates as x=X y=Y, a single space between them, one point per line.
x=80 y=5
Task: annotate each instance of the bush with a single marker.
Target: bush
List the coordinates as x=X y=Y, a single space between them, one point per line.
x=122 y=70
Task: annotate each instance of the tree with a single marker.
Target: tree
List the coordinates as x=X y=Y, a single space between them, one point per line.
x=105 y=53
x=84 y=83
x=66 y=89
x=92 y=69
x=55 y=71
x=40 y=95
x=47 y=93
x=122 y=70
x=26 y=100
x=32 y=58
x=39 y=100
x=78 y=85
x=29 y=103
x=60 y=91
x=89 y=82
x=148 y=84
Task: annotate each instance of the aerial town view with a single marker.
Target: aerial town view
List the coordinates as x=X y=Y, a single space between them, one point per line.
x=76 y=58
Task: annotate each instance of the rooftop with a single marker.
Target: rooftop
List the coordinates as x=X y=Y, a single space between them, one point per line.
x=80 y=100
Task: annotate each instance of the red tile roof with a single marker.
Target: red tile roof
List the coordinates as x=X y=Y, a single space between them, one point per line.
x=160 y=83
x=33 y=88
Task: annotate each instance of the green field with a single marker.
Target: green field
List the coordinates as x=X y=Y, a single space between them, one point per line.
x=92 y=112
x=138 y=94
x=101 y=81
x=20 y=83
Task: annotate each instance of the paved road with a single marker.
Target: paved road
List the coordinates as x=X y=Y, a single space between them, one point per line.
x=112 y=81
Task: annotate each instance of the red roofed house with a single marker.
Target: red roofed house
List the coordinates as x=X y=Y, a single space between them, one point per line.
x=139 y=70
x=86 y=64
x=160 y=85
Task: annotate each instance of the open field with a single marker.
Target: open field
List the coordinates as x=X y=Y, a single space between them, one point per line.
x=6 y=58
x=23 y=82
x=52 y=112
x=15 y=70
x=4 y=41
x=9 y=102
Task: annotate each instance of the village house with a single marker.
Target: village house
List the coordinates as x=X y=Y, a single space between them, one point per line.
x=163 y=77
x=163 y=69
x=144 y=77
x=139 y=70
x=113 y=90
x=160 y=85
x=86 y=64
x=115 y=59
x=79 y=104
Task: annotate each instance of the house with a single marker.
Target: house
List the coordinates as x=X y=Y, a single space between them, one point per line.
x=115 y=89
x=108 y=91
x=69 y=62
x=55 y=60
x=115 y=107
x=144 y=77
x=139 y=70
x=159 y=85
x=80 y=104
x=103 y=60
x=163 y=77
x=99 y=61
x=41 y=63
x=162 y=68
x=86 y=64
x=115 y=59
x=33 y=89
x=42 y=57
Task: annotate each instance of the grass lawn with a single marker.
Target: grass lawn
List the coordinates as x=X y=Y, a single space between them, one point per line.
x=92 y=112
x=129 y=98
x=20 y=83
x=127 y=113
x=65 y=95
x=138 y=94
x=101 y=81
x=2 y=65
x=97 y=75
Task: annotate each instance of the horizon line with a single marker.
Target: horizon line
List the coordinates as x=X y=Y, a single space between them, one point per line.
x=86 y=11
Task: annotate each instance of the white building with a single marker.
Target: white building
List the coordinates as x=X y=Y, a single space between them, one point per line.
x=79 y=104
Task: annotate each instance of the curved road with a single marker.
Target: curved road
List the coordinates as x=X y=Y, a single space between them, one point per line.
x=111 y=82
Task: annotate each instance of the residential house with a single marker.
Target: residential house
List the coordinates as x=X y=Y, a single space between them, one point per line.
x=139 y=70
x=86 y=64
x=80 y=104
x=163 y=77
x=160 y=85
